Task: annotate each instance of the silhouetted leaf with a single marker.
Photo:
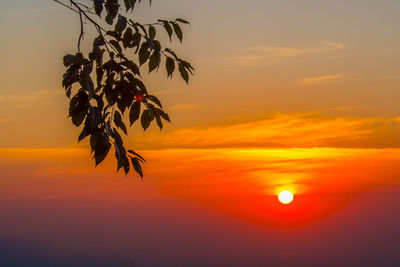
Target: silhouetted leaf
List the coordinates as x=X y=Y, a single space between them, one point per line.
x=121 y=24
x=95 y=137
x=112 y=10
x=136 y=154
x=126 y=165
x=116 y=45
x=101 y=149
x=129 y=4
x=134 y=113
x=136 y=38
x=144 y=54
x=136 y=166
x=68 y=60
x=184 y=73
x=167 y=28
x=172 y=53
x=78 y=108
x=154 y=99
x=131 y=66
x=94 y=117
x=146 y=119
x=123 y=163
x=98 y=6
x=117 y=137
x=154 y=61
x=182 y=21
x=159 y=122
x=163 y=115
x=170 y=66
x=118 y=122
x=178 y=31
x=127 y=38
x=152 y=32
x=86 y=131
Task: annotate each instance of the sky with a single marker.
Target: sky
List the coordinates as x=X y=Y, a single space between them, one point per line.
x=287 y=95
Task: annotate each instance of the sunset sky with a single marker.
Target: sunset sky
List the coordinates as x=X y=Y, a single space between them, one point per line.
x=299 y=95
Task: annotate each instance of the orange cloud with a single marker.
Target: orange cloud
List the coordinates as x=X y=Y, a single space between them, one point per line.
x=283 y=130
x=323 y=78
x=261 y=53
x=185 y=107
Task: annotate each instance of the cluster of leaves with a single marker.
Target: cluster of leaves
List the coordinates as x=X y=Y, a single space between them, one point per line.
x=107 y=84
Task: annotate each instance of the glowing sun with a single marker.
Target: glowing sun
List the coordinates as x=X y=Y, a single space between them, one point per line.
x=285 y=197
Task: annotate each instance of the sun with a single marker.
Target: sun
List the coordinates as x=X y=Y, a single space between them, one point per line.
x=285 y=197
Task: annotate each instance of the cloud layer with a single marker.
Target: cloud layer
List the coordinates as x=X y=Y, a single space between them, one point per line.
x=256 y=54
x=283 y=131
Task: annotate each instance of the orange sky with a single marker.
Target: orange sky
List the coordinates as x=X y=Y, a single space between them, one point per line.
x=297 y=95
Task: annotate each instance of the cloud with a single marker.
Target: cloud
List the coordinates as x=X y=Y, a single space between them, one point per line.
x=323 y=78
x=30 y=98
x=3 y=121
x=282 y=131
x=185 y=107
x=260 y=53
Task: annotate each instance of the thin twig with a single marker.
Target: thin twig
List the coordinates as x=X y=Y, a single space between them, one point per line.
x=81 y=34
x=67 y=6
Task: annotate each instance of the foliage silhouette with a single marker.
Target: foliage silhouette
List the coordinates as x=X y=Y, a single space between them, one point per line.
x=107 y=83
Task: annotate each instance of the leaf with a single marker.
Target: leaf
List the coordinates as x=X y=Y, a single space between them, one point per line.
x=95 y=137
x=154 y=62
x=136 y=166
x=182 y=21
x=111 y=95
x=68 y=60
x=117 y=137
x=159 y=122
x=98 y=6
x=184 y=73
x=152 y=32
x=167 y=28
x=156 y=45
x=136 y=38
x=121 y=24
x=110 y=18
x=121 y=106
x=154 y=99
x=94 y=117
x=134 y=113
x=172 y=53
x=136 y=154
x=99 y=75
x=127 y=38
x=126 y=165
x=78 y=108
x=112 y=10
x=119 y=123
x=144 y=54
x=86 y=131
x=116 y=45
x=163 y=115
x=178 y=31
x=70 y=76
x=170 y=66
x=117 y=117
x=132 y=66
x=78 y=118
x=101 y=149
x=128 y=4
x=119 y=151
x=146 y=119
